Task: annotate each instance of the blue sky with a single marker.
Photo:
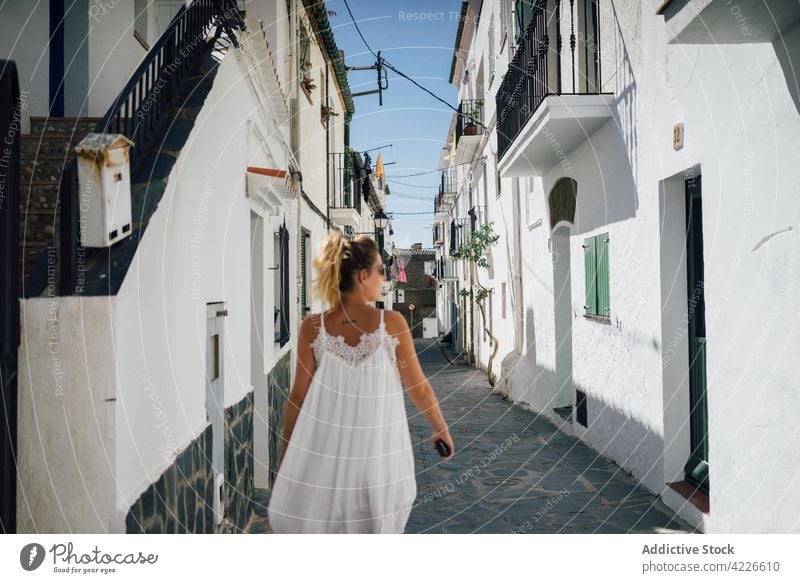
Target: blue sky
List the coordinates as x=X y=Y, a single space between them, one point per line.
x=417 y=38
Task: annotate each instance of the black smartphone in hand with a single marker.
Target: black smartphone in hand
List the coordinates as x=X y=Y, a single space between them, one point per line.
x=442 y=448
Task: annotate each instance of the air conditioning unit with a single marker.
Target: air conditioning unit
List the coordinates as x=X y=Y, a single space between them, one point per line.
x=219 y=498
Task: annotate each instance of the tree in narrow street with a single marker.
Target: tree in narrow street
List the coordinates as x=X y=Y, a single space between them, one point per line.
x=473 y=251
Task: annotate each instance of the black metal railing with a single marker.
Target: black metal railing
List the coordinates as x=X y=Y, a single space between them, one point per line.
x=438 y=234
x=536 y=69
x=477 y=217
x=149 y=93
x=460 y=231
x=445 y=268
x=470 y=118
x=142 y=105
x=345 y=192
x=449 y=183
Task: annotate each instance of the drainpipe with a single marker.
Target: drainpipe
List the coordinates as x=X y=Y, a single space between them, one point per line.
x=327 y=153
x=520 y=304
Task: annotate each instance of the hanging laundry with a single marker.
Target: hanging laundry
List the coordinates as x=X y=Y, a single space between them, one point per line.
x=365 y=189
x=379 y=167
x=401 y=267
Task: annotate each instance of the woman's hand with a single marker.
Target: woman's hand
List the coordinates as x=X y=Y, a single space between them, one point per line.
x=444 y=435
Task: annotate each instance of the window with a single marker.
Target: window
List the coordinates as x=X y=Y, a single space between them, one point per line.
x=595 y=256
x=140 y=22
x=305 y=245
x=282 y=285
x=523 y=14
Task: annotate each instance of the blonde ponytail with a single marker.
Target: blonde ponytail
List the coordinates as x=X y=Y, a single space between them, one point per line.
x=337 y=262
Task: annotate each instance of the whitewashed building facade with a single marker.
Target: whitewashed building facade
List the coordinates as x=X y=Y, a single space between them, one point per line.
x=153 y=373
x=642 y=178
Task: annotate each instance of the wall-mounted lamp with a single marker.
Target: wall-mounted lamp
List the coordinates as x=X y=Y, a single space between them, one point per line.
x=381 y=220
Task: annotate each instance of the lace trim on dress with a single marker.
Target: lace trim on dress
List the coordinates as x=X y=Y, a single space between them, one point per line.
x=355 y=355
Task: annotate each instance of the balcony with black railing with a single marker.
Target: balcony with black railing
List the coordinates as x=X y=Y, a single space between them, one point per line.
x=470 y=127
x=449 y=184
x=438 y=234
x=446 y=269
x=551 y=99
x=344 y=197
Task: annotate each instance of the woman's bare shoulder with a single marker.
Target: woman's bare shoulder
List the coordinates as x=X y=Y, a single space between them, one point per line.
x=310 y=325
x=395 y=322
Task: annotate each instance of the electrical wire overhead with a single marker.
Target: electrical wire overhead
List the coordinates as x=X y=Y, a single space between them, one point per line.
x=383 y=62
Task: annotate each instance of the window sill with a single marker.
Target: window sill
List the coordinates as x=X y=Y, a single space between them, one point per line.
x=596 y=318
x=696 y=498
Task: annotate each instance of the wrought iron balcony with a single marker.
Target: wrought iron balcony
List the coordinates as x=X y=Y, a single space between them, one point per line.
x=469 y=129
x=477 y=217
x=551 y=93
x=459 y=232
x=449 y=186
x=446 y=269
x=438 y=234
x=344 y=197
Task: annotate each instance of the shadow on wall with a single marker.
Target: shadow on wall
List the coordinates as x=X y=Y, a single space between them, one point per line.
x=625 y=90
x=787 y=49
x=611 y=430
x=607 y=177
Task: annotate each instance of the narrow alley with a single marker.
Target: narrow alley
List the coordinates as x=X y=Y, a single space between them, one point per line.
x=513 y=472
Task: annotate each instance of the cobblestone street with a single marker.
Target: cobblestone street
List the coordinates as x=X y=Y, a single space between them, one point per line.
x=513 y=471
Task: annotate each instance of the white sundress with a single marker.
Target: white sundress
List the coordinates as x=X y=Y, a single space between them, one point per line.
x=349 y=465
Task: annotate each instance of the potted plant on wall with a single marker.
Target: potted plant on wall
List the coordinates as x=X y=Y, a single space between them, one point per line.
x=471 y=114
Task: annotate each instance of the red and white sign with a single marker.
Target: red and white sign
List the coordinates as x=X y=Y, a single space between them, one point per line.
x=411 y=307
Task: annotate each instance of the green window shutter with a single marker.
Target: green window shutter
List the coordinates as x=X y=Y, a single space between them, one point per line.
x=590 y=272
x=603 y=296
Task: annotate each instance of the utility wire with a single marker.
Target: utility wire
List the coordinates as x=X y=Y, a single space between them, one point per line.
x=390 y=213
x=399 y=72
x=413 y=185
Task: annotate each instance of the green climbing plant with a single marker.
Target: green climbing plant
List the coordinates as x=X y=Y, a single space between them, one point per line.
x=474 y=251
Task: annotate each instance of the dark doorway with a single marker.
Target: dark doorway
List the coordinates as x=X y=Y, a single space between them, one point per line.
x=10 y=110
x=696 y=468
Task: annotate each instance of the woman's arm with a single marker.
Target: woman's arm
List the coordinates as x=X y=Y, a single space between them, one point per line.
x=419 y=389
x=306 y=365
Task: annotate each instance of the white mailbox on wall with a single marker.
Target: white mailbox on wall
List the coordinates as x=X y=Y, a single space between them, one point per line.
x=105 y=189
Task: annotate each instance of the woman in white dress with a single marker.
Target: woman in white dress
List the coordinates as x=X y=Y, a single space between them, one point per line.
x=346 y=463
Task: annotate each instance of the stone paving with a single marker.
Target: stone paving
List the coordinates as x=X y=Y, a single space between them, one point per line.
x=513 y=471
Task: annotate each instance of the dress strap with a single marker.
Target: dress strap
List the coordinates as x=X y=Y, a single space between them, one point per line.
x=382 y=325
x=322 y=320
